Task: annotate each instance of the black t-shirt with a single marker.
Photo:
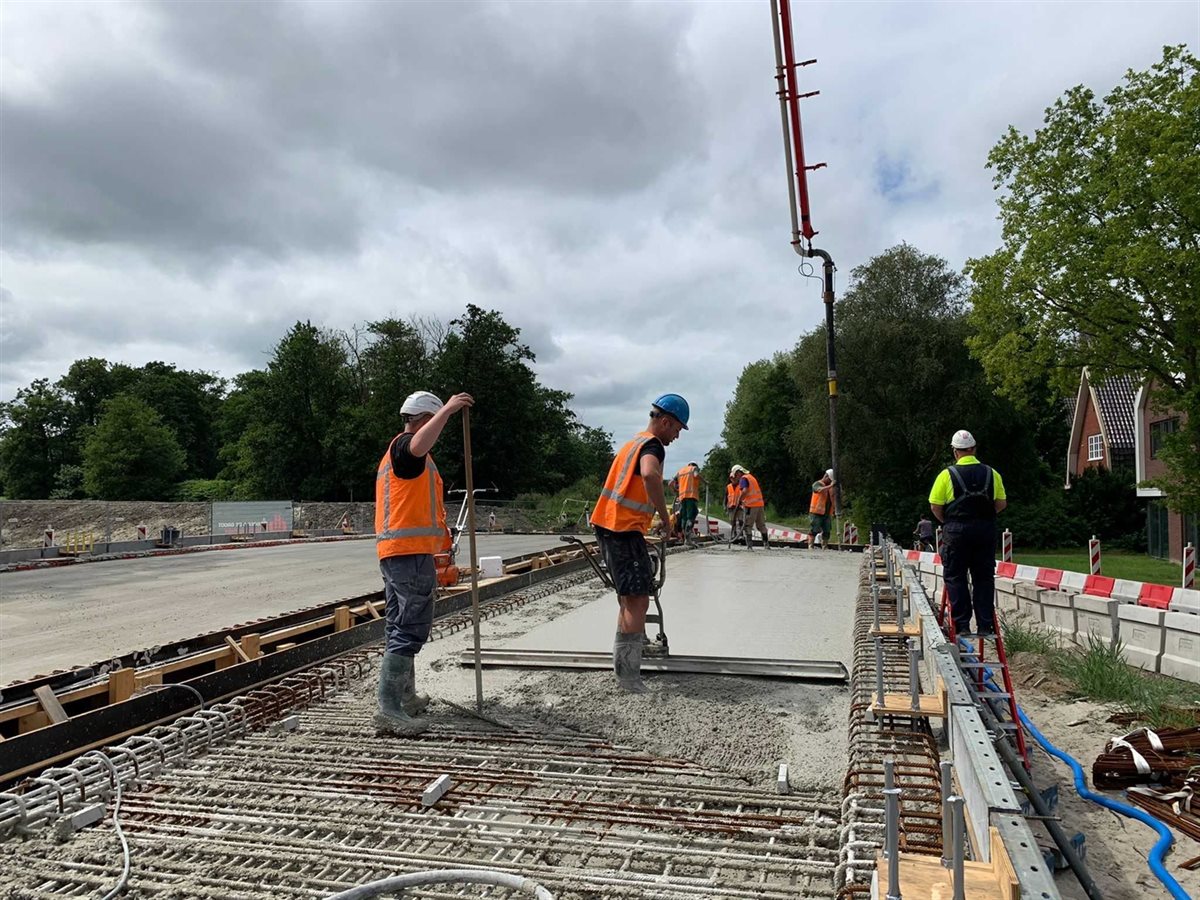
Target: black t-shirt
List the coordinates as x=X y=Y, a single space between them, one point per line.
x=653 y=447
x=404 y=464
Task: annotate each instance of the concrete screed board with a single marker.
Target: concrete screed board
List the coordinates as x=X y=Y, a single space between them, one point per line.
x=76 y=615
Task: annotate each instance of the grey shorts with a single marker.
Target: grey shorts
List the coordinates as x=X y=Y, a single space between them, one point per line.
x=628 y=561
x=409 y=586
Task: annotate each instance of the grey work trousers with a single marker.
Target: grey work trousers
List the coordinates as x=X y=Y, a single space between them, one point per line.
x=409 y=585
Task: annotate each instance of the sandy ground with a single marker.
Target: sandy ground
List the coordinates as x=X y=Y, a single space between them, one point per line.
x=76 y=615
x=1117 y=847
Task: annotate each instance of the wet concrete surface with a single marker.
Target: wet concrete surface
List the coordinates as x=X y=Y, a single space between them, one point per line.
x=779 y=604
x=76 y=615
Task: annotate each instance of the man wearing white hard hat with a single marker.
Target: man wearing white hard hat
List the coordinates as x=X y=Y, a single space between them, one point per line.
x=966 y=498
x=820 y=510
x=410 y=527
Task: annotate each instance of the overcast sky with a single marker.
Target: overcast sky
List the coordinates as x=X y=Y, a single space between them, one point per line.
x=183 y=181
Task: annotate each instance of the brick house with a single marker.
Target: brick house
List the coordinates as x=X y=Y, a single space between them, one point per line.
x=1167 y=532
x=1102 y=425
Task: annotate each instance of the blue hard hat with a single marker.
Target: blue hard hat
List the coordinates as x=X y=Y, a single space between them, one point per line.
x=674 y=405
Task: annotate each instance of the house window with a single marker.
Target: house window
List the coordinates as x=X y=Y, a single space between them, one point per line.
x=1158 y=528
x=1095 y=447
x=1158 y=430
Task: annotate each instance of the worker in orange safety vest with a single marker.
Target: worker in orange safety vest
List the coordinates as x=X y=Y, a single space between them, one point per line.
x=752 y=501
x=687 y=487
x=632 y=494
x=820 y=510
x=410 y=527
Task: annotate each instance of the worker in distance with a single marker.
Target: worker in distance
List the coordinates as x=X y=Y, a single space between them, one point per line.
x=632 y=494
x=410 y=527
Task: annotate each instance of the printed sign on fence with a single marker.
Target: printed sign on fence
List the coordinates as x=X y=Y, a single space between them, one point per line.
x=236 y=518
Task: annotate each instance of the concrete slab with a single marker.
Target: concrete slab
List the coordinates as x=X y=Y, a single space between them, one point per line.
x=1029 y=600
x=780 y=605
x=77 y=615
x=1185 y=601
x=1006 y=595
x=1058 y=614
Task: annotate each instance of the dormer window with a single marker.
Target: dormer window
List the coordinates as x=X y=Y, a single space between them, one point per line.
x=1095 y=447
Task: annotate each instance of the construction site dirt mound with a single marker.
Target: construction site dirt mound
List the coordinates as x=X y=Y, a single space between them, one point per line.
x=23 y=522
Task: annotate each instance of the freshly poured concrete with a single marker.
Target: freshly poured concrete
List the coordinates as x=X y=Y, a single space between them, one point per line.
x=784 y=604
x=75 y=615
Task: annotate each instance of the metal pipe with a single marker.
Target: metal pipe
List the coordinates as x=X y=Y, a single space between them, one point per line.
x=879 y=670
x=875 y=602
x=956 y=856
x=781 y=91
x=892 y=798
x=793 y=101
x=947 y=833
x=467 y=466
x=889 y=774
x=831 y=374
x=914 y=679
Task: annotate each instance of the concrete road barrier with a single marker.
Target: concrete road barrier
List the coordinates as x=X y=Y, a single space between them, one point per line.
x=1142 y=636
x=1181 y=646
x=1006 y=595
x=1029 y=600
x=1058 y=613
x=1185 y=601
x=1096 y=619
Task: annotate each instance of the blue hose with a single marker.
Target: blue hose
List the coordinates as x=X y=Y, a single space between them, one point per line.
x=1165 y=839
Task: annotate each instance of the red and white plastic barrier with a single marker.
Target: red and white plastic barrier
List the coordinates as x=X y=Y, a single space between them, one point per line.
x=937 y=541
x=714 y=528
x=1006 y=546
x=1189 y=568
x=1094 y=555
x=141 y=532
x=48 y=537
x=850 y=533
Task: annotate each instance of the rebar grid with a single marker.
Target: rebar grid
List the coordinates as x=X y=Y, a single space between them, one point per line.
x=906 y=740
x=308 y=813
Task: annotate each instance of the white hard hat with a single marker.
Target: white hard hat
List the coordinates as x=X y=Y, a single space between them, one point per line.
x=735 y=470
x=962 y=440
x=421 y=403
x=829 y=473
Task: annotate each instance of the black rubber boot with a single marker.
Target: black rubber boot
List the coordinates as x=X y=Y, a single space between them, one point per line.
x=766 y=542
x=627 y=662
x=394 y=675
x=414 y=703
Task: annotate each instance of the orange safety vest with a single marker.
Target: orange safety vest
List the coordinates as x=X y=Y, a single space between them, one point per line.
x=409 y=516
x=689 y=484
x=731 y=496
x=624 y=504
x=752 y=497
x=819 y=504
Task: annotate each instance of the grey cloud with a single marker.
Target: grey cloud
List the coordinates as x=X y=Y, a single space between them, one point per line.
x=272 y=128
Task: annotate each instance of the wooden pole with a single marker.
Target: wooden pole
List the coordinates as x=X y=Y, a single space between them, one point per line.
x=474 y=555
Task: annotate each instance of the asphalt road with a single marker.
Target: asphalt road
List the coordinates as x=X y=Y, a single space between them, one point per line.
x=76 y=615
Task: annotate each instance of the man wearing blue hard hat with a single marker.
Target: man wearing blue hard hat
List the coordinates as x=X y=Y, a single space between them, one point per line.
x=632 y=494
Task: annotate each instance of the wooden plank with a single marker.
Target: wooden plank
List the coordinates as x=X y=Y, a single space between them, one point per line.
x=252 y=645
x=926 y=877
x=121 y=684
x=51 y=704
x=374 y=613
x=341 y=618
x=280 y=647
x=233 y=645
x=32 y=722
x=148 y=679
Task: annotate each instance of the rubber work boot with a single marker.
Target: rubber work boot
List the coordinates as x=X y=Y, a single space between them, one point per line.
x=394 y=675
x=414 y=703
x=627 y=662
x=766 y=542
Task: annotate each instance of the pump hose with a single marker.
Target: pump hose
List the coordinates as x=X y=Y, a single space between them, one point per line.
x=1165 y=839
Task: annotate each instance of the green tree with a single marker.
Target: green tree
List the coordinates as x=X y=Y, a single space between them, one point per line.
x=1100 y=263
x=755 y=431
x=35 y=439
x=131 y=454
x=189 y=402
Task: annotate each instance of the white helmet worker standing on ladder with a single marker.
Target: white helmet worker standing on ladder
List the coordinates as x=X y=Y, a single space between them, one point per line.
x=410 y=527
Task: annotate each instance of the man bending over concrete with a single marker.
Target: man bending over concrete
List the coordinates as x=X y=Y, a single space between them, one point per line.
x=632 y=493
x=410 y=527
